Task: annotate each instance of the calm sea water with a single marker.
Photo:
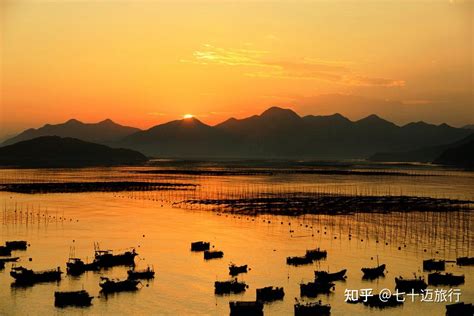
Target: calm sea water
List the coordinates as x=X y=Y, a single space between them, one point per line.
x=184 y=282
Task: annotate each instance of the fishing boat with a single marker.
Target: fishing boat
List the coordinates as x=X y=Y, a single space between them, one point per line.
x=409 y=285
x=297 y=261
x=434 y=265
x=111 y=286
x=329 y=277
x=144 y=274
x=312 y=289
x=445 y=279
x=106 y=258
x=16 y=245
x=246 y=308
x=9 y=259
x=227 y=287
x=465 y=261
x=5 y=251
x=208 y=254
x=270 y=293
x=76 y=266
x=316 y=254
x=200 y=246
x=235 y=269
x=460 y=309
x=27 y=276
x=373 y=273
x=72 y=298
x=311 y=309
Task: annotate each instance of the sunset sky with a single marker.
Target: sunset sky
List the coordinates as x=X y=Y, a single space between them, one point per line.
x=141 y=63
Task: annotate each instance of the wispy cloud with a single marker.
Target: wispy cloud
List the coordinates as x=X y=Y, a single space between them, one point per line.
x=257 y=65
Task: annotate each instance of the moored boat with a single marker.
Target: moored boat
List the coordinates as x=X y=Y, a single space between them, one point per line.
x=27 y=276
x=200 y=246
x=111 y=286
x=312 y=289
x=409 y=285
x=329 y=277
x=106 y=258
x=270 y=293
x=434 y=265
x=227 y=287
x=316 y=254
x=76 y=266
x=465 y=261
x=246 y=308
x=373 y=273
x=311 y=309
x=16 y=244
x=144 y=274
x=297 y=261
x=460 y=309
x=5 y=251
x=445 y=279
x=72 y=298
x=235 y=269
x=208 y=254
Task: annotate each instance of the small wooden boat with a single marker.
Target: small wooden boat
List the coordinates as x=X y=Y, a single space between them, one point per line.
x=5 y=251
x=111 y=286
x=9 y=259
x=72 y=298
x=106 y=258
x=311 y=309
x=200 y=246
x=329 y=277
x=460 y=309
x=434 y=265
x=144 y=274
x=297 y=261
x=208 y=254
x=409 y=285
x=312 y=289
x=76 y=266
x=235 y=269
x=445 y=279
x=373 y=273
x=246 y=308
x=316 y=254
x=27 y=276
x=465 y=261
x=227 y=287
x=270 y=293
x=16 y=245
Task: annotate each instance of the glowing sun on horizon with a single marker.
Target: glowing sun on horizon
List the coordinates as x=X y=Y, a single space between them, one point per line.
x=188 y=116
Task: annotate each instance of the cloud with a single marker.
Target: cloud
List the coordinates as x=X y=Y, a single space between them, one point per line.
x=258 y=66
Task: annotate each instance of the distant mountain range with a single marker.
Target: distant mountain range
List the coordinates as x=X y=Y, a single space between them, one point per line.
x=422 y=154
x=277 y=133
x=54 y=151
x=458 y=156
x=103 y=132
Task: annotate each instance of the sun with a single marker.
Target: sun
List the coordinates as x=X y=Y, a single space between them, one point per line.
x=188 y=116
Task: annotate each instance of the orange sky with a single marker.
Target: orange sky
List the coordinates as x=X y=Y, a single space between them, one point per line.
x=145 y=62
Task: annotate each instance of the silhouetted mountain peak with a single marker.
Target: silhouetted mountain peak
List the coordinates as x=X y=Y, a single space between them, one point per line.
x=374 y=119
x=73 y=122
x=279 y=113
x=107 y=122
